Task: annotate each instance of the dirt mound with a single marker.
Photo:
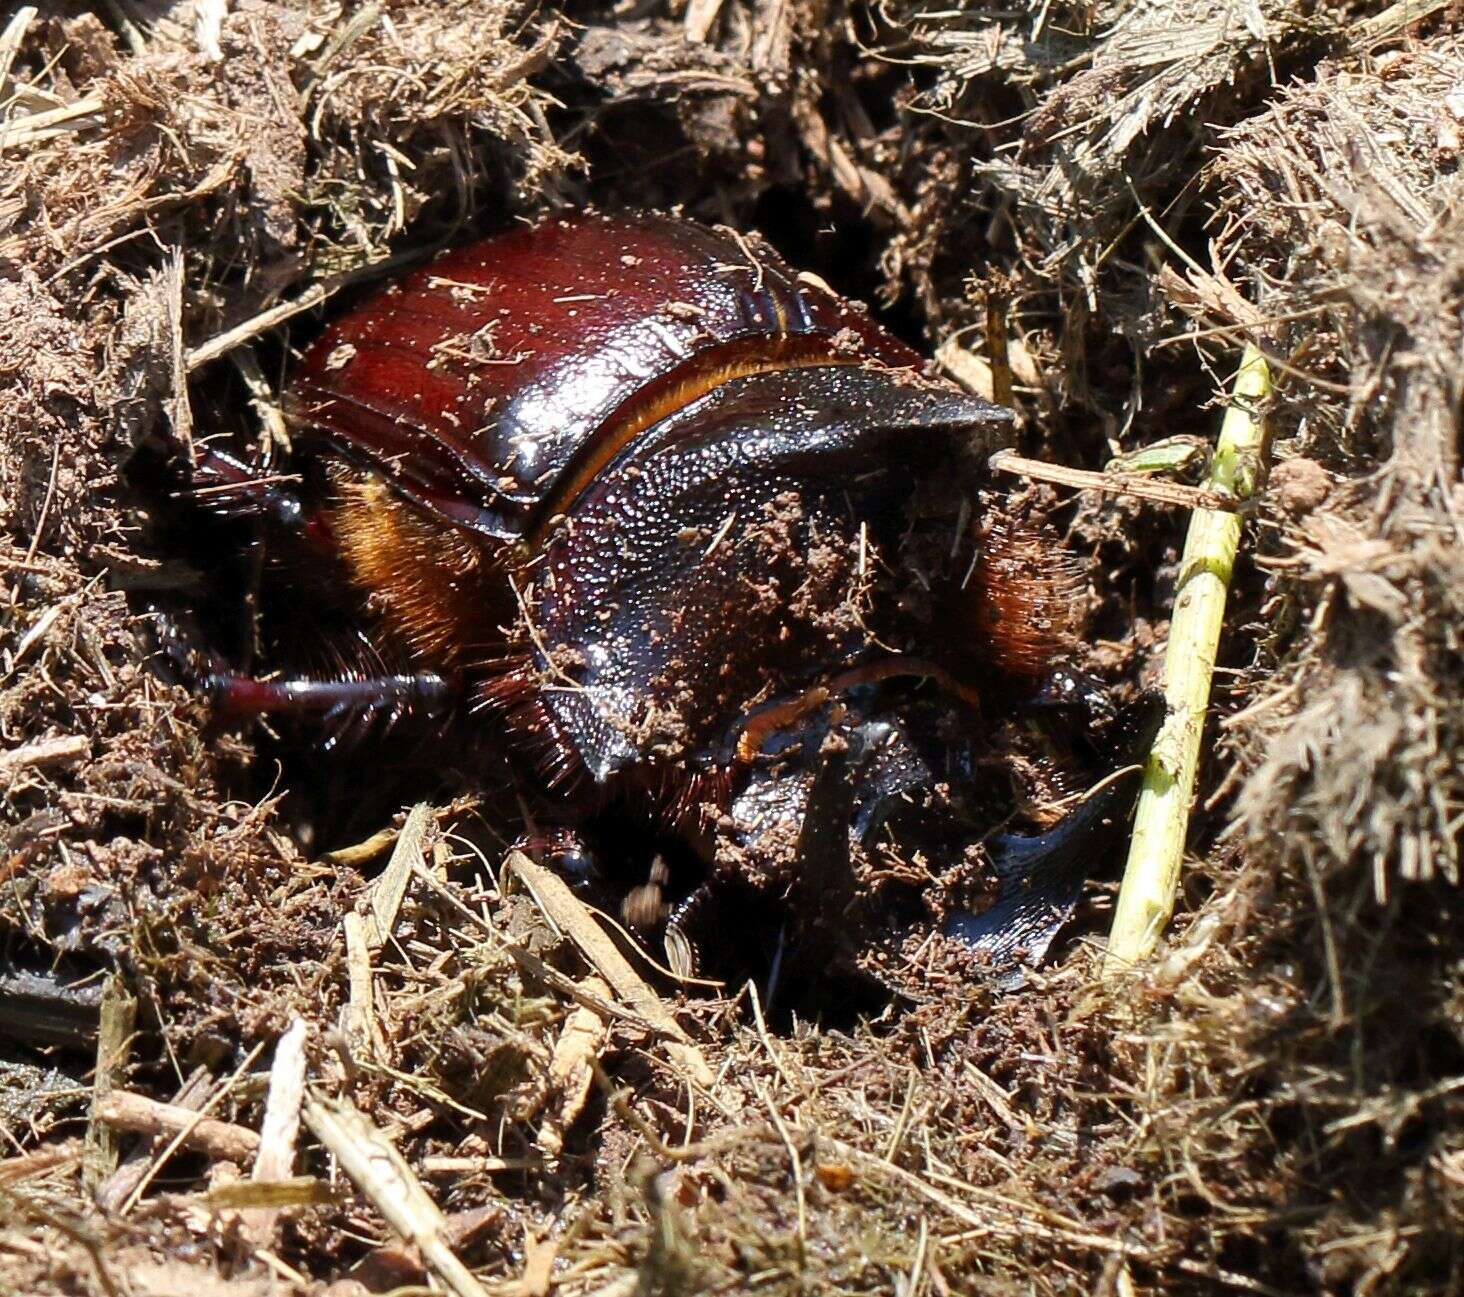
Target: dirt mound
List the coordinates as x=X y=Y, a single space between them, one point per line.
x=1276 y=1105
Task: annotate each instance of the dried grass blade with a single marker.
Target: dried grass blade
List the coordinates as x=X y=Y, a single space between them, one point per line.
x=11 y=40
x=359 y=1018
x=568 y=913
x=63 y=1156
x=382 y=1174
x=114 y=1044
x=390 y=889
x=571 y=1075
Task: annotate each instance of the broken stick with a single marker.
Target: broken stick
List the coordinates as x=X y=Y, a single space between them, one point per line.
x=123 y=1110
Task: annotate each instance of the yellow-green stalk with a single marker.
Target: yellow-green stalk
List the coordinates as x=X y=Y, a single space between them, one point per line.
x=1151 y=877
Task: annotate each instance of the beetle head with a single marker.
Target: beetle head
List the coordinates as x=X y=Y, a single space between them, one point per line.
x=728 y=555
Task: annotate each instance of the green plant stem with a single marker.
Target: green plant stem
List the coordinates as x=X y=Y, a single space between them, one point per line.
x=1151 y=876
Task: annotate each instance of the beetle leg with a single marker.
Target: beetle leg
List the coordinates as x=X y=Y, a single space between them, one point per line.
x=565 y=852
x=1041 y=877
x=179 y=647
x=268 y=515
x=229 y=487
x=1041 y=880
x=1066 y=688
x=682 y=943
x=1114 y=734
x=352 y=706
x=775 y=969
x=644 y=907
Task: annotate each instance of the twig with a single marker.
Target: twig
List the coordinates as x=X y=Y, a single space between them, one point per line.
x=1005 y=1218
x=280 y=1128
x=381 y=1173
x=1151 y=877
x=1131 y=484
x=131 y=32
x=261 y=323
x=767 y=1041
x=43 y=752
x=700 y=18
x=380 y=842
x=539 y=1257
x=363 y=853
x=263 y=398
x=124 y=1110
x=118 y=1188
x=270 y=1195
x=997 y=1099
x=37 y=633
x=619 y=1101
x=341 y=40
x=917 y=1269
x=180 y=412
x=191 y=1123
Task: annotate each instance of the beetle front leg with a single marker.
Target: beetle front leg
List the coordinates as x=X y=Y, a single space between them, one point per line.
x=1066 y=688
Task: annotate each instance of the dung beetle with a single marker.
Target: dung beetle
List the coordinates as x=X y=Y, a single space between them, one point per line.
x=694 y=538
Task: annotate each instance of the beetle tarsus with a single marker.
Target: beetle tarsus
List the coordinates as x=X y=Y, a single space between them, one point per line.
x=685 y=929
x=227 y=486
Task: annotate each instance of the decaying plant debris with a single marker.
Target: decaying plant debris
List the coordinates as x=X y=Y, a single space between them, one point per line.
x=1277 y=1105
